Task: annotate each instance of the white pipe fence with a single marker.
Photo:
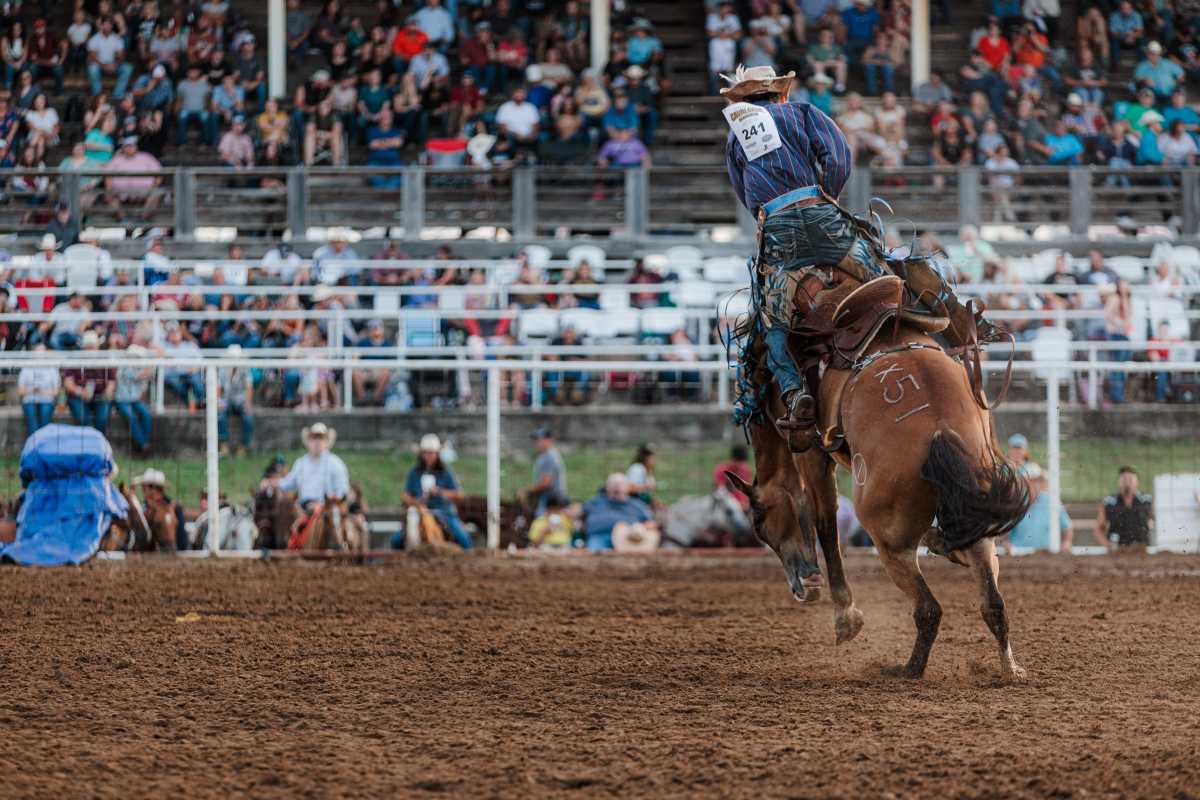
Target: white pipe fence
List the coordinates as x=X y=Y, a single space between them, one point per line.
x=1052 y=371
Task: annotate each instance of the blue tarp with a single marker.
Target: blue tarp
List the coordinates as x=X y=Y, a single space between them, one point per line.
x=69 y=500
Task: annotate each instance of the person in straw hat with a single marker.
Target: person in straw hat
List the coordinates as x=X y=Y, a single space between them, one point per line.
x=154 y=485
x=788 y=162
x=432 y=485
x=319 y=473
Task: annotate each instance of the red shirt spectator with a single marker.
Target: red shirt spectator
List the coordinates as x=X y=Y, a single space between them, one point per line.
x=409 y=41
x=994 y=48
x=99 y=377
x=1031 y=49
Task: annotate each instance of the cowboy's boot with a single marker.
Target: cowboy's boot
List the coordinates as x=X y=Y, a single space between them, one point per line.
x=929 y=287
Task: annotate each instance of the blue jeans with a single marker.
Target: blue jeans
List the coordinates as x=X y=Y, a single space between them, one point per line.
x=37 y=415
x=452 y=525
x=600 y=541
x=238 y=410
x=137 y=414
x=96 y=75
x=63 y=340
x=291 y=386
x=208 y=126
x=93 y=413
x=873 y=73
x=182 y=383
x=1116 y=380
x=793 y=240
x=54 y=70
x=1162 y=386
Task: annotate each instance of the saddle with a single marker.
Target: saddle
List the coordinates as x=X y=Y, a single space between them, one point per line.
x=861 y=315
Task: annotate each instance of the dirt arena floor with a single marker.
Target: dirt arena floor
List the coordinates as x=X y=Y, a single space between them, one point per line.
x=483 y=677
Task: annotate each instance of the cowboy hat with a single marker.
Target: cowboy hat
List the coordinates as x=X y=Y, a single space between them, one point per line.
x=151 y=477
x=634 y=538
x=319 y=429
x=136 y=351
x=49 y=242
x=635 y=73
x=90 y=339
x=430 y=443
x=756 y=80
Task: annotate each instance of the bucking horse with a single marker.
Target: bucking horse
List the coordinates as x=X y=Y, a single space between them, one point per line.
x=910 y=421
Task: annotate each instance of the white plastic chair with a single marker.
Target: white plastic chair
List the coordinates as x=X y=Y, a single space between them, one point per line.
x=1131 y=268
x=623 y=324
x=539 y=255
x=585 y=321
x=1171 y=311
x=387 y=302
x=1051 y=344
x=695 y=294
x=726 y=269
x=662 y=321
x=504 y=273
x=684 y=255
x=538 y=323
x=452 y=300
x=614 y=299
x=592 y=254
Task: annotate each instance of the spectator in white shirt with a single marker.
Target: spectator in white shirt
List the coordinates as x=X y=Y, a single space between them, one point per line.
x=519 y=120
x=284 y=266
x=38 y=388
x=326 y=259
x=428 y=64
x=106 y=56
x=724 y=31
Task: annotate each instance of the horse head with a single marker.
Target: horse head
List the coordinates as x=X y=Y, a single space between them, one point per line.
x=727 y=513
x=782 y=521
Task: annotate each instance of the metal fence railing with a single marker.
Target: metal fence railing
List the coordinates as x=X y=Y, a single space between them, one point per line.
x=533 y=202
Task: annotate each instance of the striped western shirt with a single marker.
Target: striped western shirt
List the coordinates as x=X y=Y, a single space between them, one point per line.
x=814 y=151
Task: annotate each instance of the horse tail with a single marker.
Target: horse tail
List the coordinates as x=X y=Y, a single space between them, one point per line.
x=974 y=500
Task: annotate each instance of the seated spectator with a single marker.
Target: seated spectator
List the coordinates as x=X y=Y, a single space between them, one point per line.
x=519 y=121
x=827 y=56
x=1134 y=112
x=428 y=64
x=186 y=382
x=384 y=141
x=228 y=100
x=467 y=104
x=90 y=390
x=930 y=94
x=624 y=150
x=612 y=506
x=820 y=95
x=641 y=475
x=436 y=23
x=1030 y=49
x=251 y=76
x=67 y=323
x=1158 y=73
x=859 y=126
x=567 y=386
x=724 y=31
x=194 y=104
x=622 y=116
x=78 y=33
x=334 y=262
x=1126 y=31
x=1064 y=146
x=372 y=97
x=1149 y=153
x=377 y=381
x=1091 y=34
x=759 y=48
x=237 y=148
x=407 y=43
x=569 y=147
x=1178 y=147
x=432 y=486
x=861 y=19
x=133 y=387
x=63 y=226
x=1029 y=135
x=1125 y=518
x=978 y=76
x=323 y=136
x=106 y=56
x=1086 y=78
x=138 y=190
x=553 y=529
x=47 y=55
x=272 y=124
x=512 y=57
x=1180 y=111
x=878 y=63
x=644 y=48
x=644 y=101
x=37 y=388
x=152 y=92
x=1033 y=531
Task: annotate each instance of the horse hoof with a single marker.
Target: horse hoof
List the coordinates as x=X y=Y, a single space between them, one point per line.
x=900 y=671
x=810 y=596
x=848 y=625
x=1016 y=674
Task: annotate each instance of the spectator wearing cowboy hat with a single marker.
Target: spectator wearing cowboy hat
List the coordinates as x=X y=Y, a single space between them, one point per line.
x=433 y=486
x=154 y=492
x=235 y=388
x=319 y=473
x=90 y=390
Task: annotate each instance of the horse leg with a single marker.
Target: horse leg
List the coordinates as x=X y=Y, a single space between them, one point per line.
x=818 y=473
x=902 y=566
x=982 y=558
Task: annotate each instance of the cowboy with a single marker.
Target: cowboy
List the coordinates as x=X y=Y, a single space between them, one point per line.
x=317 y=475
x=788 y=162
x=154 y=493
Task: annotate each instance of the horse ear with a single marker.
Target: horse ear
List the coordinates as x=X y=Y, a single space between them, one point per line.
x=736 y=483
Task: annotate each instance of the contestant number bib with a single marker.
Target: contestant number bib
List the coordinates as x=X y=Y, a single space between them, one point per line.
x=754 y=128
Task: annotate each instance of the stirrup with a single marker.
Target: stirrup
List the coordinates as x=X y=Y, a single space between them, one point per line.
x=802 y=412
